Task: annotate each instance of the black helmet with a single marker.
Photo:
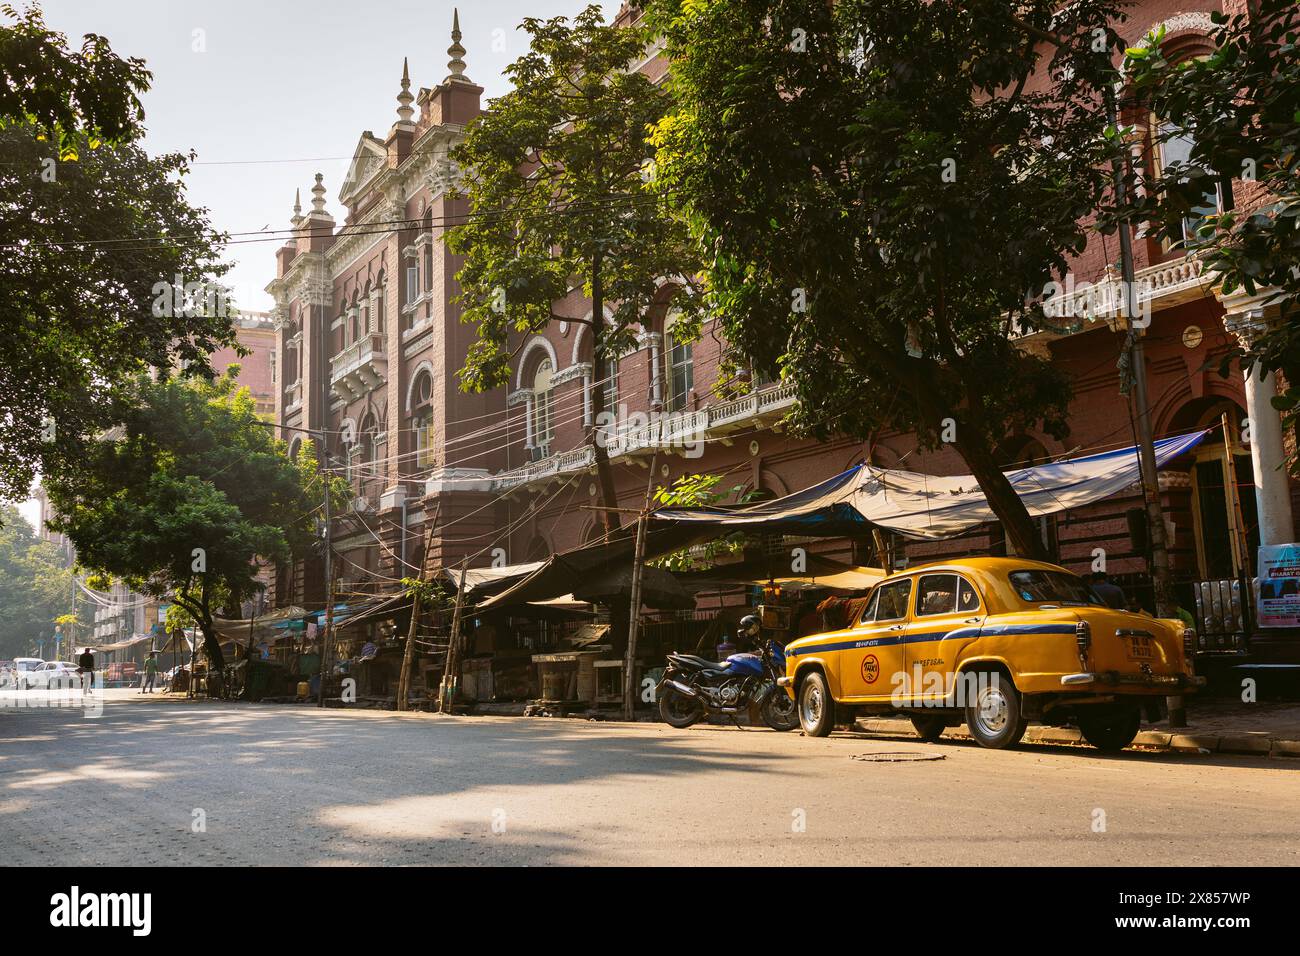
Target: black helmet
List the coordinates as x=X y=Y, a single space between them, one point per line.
x=750 y=624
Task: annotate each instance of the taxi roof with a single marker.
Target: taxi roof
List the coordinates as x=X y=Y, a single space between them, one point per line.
x=989 y=565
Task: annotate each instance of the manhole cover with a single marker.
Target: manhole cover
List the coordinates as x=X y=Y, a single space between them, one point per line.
x=897 y=756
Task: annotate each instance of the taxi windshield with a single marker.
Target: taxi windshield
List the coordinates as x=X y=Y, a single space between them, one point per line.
x=1051 y=587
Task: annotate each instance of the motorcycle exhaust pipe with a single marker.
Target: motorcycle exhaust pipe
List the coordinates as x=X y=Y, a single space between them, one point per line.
x=681 y=688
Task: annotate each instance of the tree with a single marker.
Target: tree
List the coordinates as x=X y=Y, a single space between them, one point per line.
x=698 y=491
x=35 y=586
x=558 y=174
x=90 y=94
x=105 y=269
x=1240 y=109
x=187 y=496
x=885 y=189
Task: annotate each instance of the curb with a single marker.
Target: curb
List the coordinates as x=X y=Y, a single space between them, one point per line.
x=1241 y=744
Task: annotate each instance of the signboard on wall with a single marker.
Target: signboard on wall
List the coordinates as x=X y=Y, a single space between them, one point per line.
x=1279 y=585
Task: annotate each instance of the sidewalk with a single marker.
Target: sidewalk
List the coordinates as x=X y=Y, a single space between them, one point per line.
x=1214 y=726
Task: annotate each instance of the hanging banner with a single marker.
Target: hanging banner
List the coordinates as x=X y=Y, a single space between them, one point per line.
x=1279 y=585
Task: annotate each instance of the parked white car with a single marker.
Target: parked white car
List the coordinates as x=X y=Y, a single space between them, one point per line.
x=20 y=669
x=58 y=674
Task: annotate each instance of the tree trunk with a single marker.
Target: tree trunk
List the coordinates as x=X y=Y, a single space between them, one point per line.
x=604 y=473
x=1018 y=526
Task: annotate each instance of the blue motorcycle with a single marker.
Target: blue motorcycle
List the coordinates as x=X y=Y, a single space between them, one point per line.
x=693 y=687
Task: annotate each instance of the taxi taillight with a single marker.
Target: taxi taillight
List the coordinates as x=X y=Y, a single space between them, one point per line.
x=1083 y=640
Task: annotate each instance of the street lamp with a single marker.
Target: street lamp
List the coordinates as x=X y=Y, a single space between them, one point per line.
x=58 y=639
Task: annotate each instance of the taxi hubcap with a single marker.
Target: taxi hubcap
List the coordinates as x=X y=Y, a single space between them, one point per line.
x=812 y=705
x=994 y=711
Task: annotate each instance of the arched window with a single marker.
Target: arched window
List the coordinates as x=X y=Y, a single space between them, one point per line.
x=611 y=385
x=1173 y=149
x=542 y=400
x=367 y=440
x=679 y=363
x=379 y=304
x=428 y=251
x=422 y=420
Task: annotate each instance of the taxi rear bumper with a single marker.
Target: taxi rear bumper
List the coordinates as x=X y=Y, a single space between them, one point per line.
x=1118 y=679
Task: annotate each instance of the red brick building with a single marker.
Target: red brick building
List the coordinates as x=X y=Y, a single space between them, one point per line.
x=256 y=332
x=369 y=343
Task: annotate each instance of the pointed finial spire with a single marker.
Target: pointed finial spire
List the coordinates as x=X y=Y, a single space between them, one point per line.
x=456 y=52
x=318 y=195
x=297 y=203
x=404 y=98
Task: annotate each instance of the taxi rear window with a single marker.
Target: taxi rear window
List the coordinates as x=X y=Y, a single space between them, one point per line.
x=1051 y=587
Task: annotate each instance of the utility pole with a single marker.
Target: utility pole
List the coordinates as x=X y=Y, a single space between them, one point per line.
x=1161 y=580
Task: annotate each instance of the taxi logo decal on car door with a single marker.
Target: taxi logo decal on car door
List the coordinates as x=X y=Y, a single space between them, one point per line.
x=870 y=668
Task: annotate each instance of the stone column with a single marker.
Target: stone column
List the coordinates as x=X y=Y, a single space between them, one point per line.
x=1267 y=455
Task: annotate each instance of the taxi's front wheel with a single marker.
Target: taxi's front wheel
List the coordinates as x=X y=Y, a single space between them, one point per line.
x=816 y=707
x=994 y=716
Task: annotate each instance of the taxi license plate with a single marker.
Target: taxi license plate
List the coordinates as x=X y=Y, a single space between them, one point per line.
x=1138 y=647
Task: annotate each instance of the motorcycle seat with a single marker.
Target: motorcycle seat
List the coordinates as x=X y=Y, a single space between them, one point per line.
x=700 y=663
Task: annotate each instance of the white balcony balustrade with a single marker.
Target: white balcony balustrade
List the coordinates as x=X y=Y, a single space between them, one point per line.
x=360 y=368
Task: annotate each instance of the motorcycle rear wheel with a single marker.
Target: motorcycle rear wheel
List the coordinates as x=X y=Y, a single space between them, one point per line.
x=780 y=711
x=678 y=710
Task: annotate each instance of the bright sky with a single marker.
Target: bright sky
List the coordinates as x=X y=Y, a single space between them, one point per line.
x=270 y=92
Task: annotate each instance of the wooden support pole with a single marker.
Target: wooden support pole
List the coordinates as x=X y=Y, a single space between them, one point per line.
x=449 y=682
x=408 y=654
x=634 y=618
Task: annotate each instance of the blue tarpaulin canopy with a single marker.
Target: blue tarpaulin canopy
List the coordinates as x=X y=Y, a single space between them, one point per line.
x=928 y=506
x=852 y=502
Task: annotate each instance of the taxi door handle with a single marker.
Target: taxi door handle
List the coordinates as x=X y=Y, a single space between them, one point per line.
x=972 y=620
x=896 y=627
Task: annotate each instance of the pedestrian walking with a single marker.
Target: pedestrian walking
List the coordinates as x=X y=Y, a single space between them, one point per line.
x=86 y=668
x=1111 y=594
x=150 y=672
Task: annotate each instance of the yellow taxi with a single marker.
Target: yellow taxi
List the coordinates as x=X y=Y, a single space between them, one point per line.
x=993 y=643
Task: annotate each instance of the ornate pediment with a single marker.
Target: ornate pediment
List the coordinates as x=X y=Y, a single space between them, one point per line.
x=368 y=159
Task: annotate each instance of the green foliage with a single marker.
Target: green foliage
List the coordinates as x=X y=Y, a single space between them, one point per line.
x=1241 y=107
x=78 y=97
x=433 y=595
x=35 y=587
x=186 y=496
x=83 y=251
x=558 y=182
x=885 y=188
x=698 y=491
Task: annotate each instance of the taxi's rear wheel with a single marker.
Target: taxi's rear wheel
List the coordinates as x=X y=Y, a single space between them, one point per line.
x=816 y=707
x=1113 y=731
x=929 y=729
x=994 y=718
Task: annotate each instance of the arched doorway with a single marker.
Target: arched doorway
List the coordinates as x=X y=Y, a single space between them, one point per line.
x=1224 y=515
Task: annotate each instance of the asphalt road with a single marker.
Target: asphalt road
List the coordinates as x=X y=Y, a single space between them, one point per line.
x=296 y=785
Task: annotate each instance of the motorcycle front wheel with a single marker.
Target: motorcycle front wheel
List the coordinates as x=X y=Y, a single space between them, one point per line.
x=677 y=709
x=780 y=711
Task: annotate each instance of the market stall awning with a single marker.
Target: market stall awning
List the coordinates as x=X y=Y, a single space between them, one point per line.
x=928 y=506
x=124 y=645
x=481 y=581
x=572 y=574
x=850 y=503
x=817 y=571
x=263 y=627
